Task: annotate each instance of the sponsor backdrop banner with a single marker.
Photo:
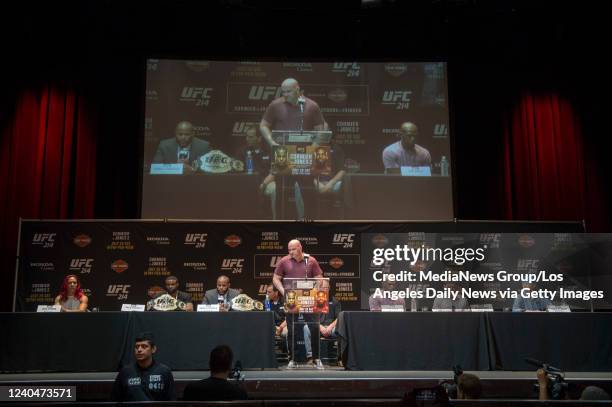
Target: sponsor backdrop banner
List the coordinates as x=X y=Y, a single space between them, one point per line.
x=574 y=266
x=127 y=261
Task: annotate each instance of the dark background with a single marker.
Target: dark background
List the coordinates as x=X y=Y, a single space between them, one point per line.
x=496 y=51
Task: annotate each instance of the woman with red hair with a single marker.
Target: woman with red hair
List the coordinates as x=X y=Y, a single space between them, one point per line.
x=71 y=297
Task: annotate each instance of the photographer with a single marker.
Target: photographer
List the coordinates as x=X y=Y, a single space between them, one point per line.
x=216 y=387
x=468 y=387
x=589 y=393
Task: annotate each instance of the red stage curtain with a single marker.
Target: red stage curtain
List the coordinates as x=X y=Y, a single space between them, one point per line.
x=544 y=160
x=47 y=165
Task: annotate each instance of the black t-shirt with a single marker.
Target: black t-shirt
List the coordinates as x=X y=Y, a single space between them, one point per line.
x=334 y=310
x=155 y=383
x=279 y=311
x=213 y=389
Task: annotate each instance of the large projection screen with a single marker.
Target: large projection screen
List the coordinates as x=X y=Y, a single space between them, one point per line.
x=349 y=140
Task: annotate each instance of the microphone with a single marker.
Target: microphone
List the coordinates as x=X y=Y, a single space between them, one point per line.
x=301 y=102
x=183 y=154
x=220 y=300
x=306 y=256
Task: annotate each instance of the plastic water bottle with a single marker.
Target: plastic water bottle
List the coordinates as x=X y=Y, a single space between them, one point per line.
x=249 y=162
x=444 y=166
x=267 y=305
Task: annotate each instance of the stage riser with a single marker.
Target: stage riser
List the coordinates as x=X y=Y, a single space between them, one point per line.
x=271 y=389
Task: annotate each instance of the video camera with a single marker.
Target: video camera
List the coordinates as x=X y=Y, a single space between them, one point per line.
x=236 y=373
x=557 y=386
x=451 y=386
x=434 y=396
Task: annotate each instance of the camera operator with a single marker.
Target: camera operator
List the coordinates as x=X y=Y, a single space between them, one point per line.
x=589 y=392
x=468 y=387
x=216 y=387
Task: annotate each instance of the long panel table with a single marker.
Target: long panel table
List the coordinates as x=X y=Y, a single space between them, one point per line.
x=477 y=341
x=102 y=341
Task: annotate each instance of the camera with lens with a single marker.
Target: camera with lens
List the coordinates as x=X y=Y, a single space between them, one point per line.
x=451 y=386
x=236 y=373
x=557 y=386
x=437 y=396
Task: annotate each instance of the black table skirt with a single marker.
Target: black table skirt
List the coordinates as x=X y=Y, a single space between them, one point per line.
x=102 y=341
x=477 y=341
x=414 y=341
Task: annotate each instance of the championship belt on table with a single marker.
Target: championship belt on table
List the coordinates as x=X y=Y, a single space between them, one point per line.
x=166 y=302
x=217 y=162
x=243 y=302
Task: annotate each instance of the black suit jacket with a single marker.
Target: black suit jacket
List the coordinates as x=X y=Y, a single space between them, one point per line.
x=211 y=296
x=168 y=148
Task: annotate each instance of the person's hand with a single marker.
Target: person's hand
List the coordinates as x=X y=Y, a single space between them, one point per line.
x=278 y=331
x=222 y=308
x=542 y=377
x=322 y=187
x=187 y=168
x=194 y=165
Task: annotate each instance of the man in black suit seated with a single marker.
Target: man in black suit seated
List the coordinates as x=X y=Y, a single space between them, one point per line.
x=216 y=387
x=182 y=148
x=222 y=295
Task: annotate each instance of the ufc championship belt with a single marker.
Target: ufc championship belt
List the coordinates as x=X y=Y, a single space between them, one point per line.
x=243 y=302
x=165 y=302
x=217 y=162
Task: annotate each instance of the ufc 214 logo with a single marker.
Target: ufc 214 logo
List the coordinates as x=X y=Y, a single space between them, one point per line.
x=398 y=98
x=345 y=240
x=232 y=265
x=352 y=69
x=82 y=266
x=198 y=240
x=200 y=96
x=44 y=239
x=120 y=291
x=259 y=92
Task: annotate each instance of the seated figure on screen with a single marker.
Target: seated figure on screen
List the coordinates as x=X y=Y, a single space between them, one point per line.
x=406 y=152
x=260 y=154
x=182 y=148
x=71 y=297
x=530 y=304
x=222 y=295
